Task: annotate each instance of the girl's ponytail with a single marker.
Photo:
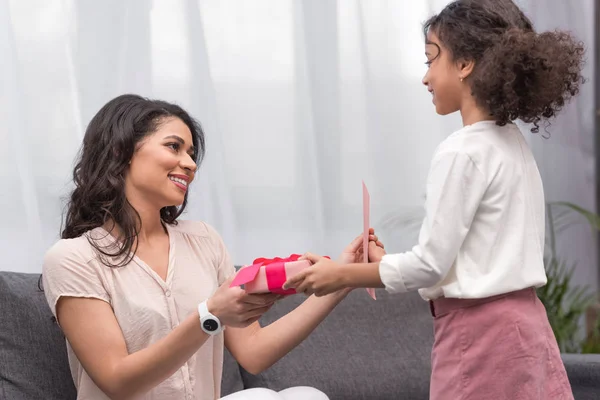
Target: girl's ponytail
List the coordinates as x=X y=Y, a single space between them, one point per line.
x=528 y=76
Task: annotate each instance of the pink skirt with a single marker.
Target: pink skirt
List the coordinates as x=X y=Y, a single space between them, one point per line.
x=497 y=348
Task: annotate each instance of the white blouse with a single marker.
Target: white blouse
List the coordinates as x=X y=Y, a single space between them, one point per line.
x=484 y=226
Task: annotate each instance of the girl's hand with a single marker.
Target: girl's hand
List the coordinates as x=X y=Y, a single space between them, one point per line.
x=323 y=277
x=376 y=251
x=353 y=253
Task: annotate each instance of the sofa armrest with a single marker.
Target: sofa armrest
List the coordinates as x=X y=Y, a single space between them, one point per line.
x=584 y=374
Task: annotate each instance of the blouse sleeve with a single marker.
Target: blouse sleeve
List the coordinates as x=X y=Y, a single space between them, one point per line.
x=455 y=187
x=225 y=267
x=67 y=272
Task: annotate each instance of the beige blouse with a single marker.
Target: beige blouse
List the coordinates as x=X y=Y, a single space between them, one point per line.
x=146 y=307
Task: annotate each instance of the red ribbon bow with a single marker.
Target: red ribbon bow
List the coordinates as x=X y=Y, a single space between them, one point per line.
x=276 y=274
x=267 y=261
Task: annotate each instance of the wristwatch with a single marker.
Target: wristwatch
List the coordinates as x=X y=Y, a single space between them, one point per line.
x=210 y=324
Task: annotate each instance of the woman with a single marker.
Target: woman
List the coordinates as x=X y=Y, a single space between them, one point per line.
x=143 y=298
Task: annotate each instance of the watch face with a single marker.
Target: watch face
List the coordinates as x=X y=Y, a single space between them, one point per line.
x=210 y=325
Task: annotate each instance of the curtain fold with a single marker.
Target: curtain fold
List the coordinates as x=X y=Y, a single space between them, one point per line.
x=300 y=102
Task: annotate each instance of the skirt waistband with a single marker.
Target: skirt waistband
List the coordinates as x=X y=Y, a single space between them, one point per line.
x=445 y=305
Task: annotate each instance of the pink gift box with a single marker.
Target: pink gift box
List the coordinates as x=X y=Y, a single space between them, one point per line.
x=269 y=275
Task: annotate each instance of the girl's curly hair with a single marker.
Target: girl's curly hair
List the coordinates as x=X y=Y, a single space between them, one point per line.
x=518 y=73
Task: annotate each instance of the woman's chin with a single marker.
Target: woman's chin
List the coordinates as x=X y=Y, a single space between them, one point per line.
x=177 y=203
x=173 y=202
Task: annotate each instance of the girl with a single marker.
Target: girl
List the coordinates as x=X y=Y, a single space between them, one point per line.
x=480 y=250
x=143 y=298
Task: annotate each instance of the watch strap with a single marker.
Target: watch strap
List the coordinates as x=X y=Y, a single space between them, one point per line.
x=209 y=323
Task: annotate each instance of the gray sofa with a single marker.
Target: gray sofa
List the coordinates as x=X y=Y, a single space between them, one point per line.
x=364 y=350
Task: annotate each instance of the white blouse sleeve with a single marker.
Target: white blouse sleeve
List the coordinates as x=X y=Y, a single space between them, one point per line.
x=455 y=187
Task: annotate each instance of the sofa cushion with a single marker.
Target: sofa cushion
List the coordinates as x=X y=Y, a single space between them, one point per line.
x=231 y=381
x=363 y=350
x=33 y=354
x=584 y=374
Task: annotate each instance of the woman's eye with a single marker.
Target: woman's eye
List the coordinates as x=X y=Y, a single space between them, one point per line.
x=174 y=146
x=428 y=63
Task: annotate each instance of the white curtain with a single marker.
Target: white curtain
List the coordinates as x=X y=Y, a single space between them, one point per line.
x=300 y=101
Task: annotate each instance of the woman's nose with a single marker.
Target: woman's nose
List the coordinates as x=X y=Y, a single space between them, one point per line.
x=188 y=163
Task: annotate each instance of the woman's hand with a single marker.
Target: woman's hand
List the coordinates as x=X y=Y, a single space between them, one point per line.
x=234 y=307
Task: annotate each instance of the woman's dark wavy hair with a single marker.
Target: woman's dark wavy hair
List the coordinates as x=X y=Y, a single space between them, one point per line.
x=518 y=73
x=110 y=141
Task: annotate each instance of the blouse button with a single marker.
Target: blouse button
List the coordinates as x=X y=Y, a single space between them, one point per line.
x=168 y=293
